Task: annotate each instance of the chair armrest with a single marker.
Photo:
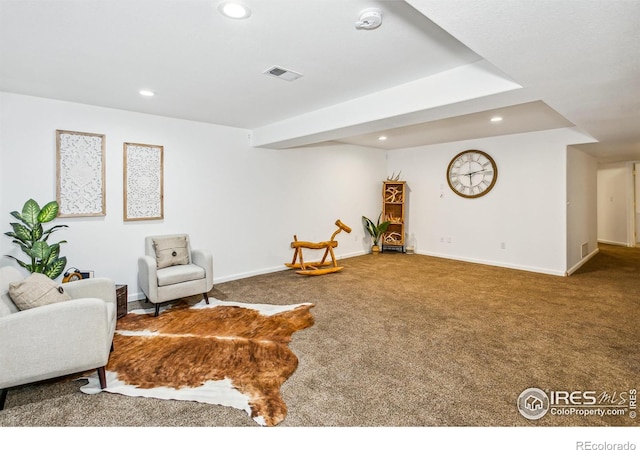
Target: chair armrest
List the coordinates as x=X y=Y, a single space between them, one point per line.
x=148 y=277
x=52 y=340
x=204 y=259
x=102 y=288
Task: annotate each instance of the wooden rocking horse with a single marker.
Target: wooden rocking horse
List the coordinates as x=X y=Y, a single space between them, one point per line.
x=315 y=268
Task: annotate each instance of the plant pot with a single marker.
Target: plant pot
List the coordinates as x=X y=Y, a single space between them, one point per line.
x=375 y=249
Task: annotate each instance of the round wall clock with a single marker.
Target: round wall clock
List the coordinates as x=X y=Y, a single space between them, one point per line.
x=472 y=173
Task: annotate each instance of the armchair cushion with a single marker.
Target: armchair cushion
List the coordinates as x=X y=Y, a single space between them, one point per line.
x=171 y=251
x=36 y=290
x=180 y=274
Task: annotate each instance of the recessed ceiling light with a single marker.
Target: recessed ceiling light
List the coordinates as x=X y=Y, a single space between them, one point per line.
x=496 y=119
x=234 y=10
x=382 y=138
x=147 y=93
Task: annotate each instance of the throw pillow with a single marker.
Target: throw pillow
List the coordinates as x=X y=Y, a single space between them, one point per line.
x=36 y=290
x=171 y=251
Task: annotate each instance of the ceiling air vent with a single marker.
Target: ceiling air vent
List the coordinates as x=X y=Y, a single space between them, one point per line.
x=284 y=74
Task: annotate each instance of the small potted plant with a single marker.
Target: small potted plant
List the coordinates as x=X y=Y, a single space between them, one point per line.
x=376 y=230
x=32 y=238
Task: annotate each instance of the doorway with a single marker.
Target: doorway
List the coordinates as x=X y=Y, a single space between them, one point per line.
x=636 y=203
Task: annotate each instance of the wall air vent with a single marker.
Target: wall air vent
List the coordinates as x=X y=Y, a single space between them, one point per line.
x=284 y=74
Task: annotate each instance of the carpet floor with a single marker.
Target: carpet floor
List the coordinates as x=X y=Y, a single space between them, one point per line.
x=412 y=341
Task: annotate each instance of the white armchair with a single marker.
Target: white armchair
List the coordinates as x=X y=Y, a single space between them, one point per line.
x=56 y=339
x=171 y=270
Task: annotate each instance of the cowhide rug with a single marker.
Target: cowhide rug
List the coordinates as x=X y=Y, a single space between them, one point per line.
x=224 y=353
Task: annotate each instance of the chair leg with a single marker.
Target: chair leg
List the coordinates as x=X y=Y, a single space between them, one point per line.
x=3 y=397
x=206 y=297
x=157 y=310
x=102 y=375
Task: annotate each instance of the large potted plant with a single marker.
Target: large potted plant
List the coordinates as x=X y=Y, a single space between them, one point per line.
x=376 y=230
x=32 y=238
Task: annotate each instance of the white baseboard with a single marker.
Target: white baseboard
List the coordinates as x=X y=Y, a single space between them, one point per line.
x=604 y=241
x=583 y=261
x=238 y=276
x=496 y=264
x=254 y=273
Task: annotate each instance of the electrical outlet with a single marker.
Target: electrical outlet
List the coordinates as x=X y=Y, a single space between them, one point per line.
x=442 y=239
x=503 y=245
x=449 y=240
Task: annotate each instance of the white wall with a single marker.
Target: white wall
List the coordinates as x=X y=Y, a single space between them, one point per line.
x=614 y=195
x=242 y=203
x=245 y=204
x=582 y=224
x=525 y=212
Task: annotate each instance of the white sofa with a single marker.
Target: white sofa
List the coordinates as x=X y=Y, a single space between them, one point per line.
x=57 y=339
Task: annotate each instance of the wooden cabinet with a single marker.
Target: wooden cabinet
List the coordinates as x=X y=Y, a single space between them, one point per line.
x=394 y=195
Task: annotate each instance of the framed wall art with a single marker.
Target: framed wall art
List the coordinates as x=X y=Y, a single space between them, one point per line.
x=80 y=180
x=143 y=182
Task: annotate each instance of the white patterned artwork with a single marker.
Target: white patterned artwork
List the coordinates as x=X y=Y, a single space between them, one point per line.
x=80 y=189
x=143 y=183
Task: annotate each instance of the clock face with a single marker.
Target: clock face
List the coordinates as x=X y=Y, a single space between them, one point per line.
x=472 y=173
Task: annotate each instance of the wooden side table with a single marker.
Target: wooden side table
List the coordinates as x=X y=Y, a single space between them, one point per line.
x=122 y=298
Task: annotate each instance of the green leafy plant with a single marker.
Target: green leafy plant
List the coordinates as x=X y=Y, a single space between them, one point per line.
x=32 y=238
x=376 y=230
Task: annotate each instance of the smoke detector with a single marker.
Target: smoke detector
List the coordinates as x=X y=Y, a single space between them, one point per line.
x=369 y=19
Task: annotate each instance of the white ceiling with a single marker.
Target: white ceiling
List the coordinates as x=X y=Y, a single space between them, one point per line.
x=434 y=71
